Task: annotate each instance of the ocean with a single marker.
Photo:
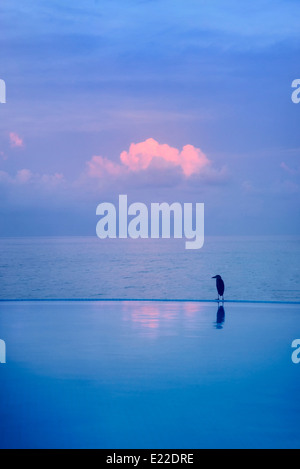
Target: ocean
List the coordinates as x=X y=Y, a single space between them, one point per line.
x=253 y=268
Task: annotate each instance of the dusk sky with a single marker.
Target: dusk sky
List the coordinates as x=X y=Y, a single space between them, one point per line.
x=163 y=100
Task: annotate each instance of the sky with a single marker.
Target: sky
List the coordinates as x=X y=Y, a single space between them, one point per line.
x=163 y=100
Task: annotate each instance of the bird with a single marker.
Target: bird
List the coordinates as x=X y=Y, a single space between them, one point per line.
x=220 y=286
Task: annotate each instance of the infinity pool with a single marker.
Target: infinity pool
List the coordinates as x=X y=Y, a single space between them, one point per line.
x=149 y=375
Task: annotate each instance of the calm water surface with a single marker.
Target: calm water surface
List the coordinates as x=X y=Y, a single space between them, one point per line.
x=149 y=375
x=128 y=374
x=259 y=268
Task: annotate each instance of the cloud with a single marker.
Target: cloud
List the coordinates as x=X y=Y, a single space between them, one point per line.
x=15 y=140
x=157 y=165
x=26 y=177
x=155 y=161
x=3 y=155
x=100 y=167
x=142 y=155
x=30 y=190
x=145 y=164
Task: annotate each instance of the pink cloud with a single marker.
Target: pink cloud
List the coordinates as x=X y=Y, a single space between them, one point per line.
x=52 y=179
x=24 y=176
x=155 y=164
x=27 y=177
x=140 y=156
x=15 y=140
x=99 y=167
x=3 y=155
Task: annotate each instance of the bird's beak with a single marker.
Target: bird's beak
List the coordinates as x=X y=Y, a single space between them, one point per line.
x=214 y=277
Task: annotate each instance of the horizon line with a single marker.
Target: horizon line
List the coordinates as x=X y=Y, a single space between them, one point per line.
x=158 y=239
x=137 y=300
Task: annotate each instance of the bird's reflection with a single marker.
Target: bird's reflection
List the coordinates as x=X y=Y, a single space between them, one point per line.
x=220 y=317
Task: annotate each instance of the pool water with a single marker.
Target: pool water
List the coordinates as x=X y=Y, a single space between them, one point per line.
x=149 y=375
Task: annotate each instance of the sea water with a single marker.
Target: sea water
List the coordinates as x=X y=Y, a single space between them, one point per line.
x=253 y=268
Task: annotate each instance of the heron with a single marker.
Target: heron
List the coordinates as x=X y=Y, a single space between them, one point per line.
x=220 y=286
